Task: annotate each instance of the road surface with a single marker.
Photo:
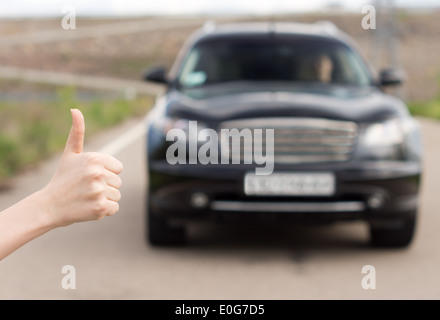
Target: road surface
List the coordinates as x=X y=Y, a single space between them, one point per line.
x=113 y=261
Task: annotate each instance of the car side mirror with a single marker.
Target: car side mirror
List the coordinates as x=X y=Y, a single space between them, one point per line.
x=391 y=77
x=157 y=75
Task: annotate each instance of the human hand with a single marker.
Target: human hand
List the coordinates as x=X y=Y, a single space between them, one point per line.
x=85 y=186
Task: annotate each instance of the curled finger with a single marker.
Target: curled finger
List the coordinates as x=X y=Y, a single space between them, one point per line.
x=112 y=194
x=113 y=180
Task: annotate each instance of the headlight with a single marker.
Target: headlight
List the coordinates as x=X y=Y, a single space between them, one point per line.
x=382 y=140
x=383 y=134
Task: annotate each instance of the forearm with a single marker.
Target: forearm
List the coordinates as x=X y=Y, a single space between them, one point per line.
x=23 y=222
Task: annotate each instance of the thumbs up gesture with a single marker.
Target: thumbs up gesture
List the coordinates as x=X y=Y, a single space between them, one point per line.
x=85 y=186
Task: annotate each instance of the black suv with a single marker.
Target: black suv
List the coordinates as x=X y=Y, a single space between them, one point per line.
x=279 y=122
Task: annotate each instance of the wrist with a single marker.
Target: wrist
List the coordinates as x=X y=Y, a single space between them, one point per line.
x=43 y=210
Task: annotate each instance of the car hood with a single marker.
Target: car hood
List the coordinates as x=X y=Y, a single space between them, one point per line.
x=233 y=101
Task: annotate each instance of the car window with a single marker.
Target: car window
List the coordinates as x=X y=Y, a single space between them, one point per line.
x=272 y=59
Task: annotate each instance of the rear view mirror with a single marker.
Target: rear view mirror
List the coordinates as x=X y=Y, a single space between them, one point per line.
x=391 y=77
x=157 y=75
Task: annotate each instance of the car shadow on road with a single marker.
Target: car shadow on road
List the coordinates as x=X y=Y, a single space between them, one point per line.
x=297 y=241
x=324 y=236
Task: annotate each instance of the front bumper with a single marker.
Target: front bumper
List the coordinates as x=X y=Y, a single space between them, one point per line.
x=173 y=192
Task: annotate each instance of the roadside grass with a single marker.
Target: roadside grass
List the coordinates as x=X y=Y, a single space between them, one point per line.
x=429 y=109
x=32 y=131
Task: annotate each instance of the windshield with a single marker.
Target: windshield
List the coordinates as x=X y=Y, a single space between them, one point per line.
x=272 y=58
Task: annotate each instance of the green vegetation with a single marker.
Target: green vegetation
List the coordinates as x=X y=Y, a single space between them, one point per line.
x=428 y=109
x=32 y=131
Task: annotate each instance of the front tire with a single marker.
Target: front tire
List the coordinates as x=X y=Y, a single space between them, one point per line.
x=398 y=236
x=160 y=232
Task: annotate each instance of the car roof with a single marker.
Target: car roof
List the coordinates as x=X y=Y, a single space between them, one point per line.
x=320 y=29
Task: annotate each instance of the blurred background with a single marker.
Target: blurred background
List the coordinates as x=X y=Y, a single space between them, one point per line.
x=97 y=65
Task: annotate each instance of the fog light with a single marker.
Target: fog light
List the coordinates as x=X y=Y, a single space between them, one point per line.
x=199 y=200
x=376 y=201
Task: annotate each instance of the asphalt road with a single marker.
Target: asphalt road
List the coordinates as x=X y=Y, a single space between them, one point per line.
x=113 y=261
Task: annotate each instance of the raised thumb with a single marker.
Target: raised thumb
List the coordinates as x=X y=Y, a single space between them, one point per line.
x=75 y=141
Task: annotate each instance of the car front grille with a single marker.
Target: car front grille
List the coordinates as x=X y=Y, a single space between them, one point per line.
x=296 y=140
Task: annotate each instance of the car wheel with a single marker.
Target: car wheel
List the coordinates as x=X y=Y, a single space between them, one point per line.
x=400 y=235
x=160 y=233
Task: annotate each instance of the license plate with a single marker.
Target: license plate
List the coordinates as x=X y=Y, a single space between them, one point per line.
x=290 y=184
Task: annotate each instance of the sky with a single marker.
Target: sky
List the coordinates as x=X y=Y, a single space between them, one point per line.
x=41 y=8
